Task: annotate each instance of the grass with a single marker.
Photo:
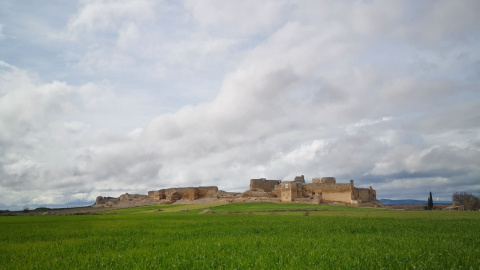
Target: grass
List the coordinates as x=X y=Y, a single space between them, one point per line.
x=163 y=208
x=337 y=238
x=234 y=208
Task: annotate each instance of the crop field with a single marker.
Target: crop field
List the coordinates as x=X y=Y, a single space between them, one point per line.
x=243 y=236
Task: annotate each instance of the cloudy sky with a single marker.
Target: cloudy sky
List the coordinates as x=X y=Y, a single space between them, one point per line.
x=108 y=97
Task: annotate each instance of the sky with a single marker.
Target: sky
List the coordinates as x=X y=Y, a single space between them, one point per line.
x=101 y=98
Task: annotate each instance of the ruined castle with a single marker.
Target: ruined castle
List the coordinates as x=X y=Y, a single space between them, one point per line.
x=324 y=189
x=320 y=190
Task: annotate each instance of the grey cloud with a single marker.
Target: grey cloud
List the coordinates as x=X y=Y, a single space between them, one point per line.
x=451 y=158
x=453 y=116
x=440 y=168
x=416 y=21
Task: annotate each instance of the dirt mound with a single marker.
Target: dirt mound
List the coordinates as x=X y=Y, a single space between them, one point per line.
x=207 y=211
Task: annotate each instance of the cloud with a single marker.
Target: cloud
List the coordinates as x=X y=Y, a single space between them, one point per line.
x=25 y=106
x=45 y=151
x=143 y=40
x=224 y=16
x=175 y=94
x=96 y=16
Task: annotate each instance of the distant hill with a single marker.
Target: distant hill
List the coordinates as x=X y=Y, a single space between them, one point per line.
x=408 y=201
x=53 y=206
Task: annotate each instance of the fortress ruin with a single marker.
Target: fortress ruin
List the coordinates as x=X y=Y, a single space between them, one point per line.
x=324 y=189
x=320 y=190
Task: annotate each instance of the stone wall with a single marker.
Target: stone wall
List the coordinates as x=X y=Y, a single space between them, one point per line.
x=345 y=197
x=366 y=194
x=132 y=197
x=263 y=184
x=300 y=179
x=363 y=194
x=289 y=191
x=324 y=180
x=159 y=194
x=206 y=191
x=278 y=191
x=185 y=193
x=190 y=193
x=331 y=192
x=323 y=188
x=258 y=194
x=317 y=198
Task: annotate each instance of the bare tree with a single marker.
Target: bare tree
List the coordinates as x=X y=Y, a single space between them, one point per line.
x=468 y=200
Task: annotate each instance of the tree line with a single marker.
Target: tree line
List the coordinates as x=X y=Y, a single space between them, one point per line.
x=468 y=200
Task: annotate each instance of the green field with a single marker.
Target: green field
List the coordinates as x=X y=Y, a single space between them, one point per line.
x=243 y=236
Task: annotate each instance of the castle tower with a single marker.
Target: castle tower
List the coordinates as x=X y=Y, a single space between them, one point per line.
x=288 y=191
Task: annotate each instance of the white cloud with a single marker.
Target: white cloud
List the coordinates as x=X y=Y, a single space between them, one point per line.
x=172 y=95
x=25 y=106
